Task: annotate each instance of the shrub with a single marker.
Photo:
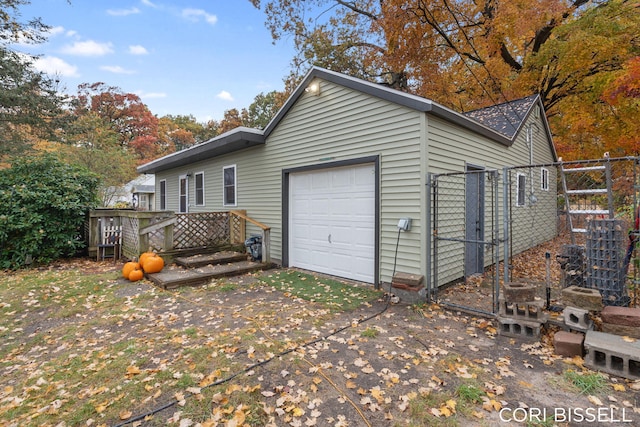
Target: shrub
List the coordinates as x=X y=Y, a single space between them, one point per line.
x=43 y=209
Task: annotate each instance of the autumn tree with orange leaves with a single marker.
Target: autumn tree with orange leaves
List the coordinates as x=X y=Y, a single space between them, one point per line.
x=467 y=54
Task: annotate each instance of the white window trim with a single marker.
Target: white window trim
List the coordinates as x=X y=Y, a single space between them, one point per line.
x=524 y=201
x=195 y=189
x=162 y=208
x=544 y=172
x=235 y=185
x=186 y=195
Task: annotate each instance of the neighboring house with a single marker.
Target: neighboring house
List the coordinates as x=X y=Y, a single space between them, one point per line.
x=143 y=194
x=341 y=163
x=138 y=193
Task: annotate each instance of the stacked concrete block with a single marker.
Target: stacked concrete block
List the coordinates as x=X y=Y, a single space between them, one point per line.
x=520 y=315
x=409 y=287
x=585 y=298
x=577 y=319
x=624 y=321
x=613 y=354
x=579 y=302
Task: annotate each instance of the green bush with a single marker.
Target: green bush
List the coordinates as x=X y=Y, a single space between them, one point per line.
x=43 y=207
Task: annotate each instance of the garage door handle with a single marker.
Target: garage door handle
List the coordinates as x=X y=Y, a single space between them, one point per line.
x=329 y=238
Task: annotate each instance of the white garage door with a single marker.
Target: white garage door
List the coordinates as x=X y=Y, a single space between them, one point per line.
x=332 y=221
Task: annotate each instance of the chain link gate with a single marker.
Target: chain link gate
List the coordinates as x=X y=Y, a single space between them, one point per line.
x=479 y=218
x=464 y=214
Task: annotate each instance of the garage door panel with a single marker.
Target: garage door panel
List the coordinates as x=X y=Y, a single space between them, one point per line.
x=332 y=217
x=319 y=181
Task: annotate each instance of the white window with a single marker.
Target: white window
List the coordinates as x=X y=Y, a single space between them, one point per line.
x=163 y=195
x=544 y=179
x=229 y=185
x=199 y=189
x=183 y=194
x=521 y=189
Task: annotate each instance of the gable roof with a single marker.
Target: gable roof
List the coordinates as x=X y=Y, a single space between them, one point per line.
x=506 y=118
x=500 y=123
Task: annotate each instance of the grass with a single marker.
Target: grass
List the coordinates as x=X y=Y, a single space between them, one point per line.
x=369 y=333
x=98 y=349
x=470 y=393
x=331 y=294
x=585 y=383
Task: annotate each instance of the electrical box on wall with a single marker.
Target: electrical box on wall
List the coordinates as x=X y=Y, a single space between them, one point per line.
x=404 y=224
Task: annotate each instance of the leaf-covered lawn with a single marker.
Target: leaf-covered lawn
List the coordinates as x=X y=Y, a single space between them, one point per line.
x=79 y=346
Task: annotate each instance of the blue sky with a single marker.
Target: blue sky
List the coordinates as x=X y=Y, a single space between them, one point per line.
x=180 y=57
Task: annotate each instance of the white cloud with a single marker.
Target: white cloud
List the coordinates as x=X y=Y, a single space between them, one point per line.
x=148 y=3
x=224 y=95
x=123 y=12
x=88 y=48
x=196 y=14
x=137 y=50
x=56 y=66
x=152 y=95
x=116 y=69
x=54 y=31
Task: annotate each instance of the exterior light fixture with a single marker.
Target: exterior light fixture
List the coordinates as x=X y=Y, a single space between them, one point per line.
x=313 y=88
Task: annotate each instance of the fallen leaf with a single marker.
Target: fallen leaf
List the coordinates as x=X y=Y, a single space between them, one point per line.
x=594 y=400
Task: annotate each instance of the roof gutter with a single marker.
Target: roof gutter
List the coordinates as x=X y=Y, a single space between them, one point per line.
x=236 y=139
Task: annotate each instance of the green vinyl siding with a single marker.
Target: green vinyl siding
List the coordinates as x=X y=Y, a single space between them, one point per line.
x=451 y=148
x=343 y=125
x=339 y=125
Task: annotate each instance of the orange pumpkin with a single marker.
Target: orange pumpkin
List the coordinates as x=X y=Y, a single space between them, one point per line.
x=136 y=275
x=153 y=264
x=144 y=256
x=129 y=267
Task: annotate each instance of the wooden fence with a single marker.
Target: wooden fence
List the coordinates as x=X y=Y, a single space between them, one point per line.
x=170 y=233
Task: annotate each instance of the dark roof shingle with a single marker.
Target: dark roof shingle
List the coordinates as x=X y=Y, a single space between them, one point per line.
x=506 y=118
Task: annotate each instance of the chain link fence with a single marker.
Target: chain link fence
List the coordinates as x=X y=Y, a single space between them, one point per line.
x=556 y=225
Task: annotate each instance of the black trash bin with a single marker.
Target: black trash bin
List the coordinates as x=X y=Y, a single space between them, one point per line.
x=254 y=247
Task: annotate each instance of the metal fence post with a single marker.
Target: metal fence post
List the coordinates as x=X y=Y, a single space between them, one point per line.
x=505 y=222
x=496 y=239
x=428 y=242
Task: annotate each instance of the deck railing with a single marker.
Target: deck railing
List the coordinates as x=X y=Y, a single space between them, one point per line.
x=168 y=232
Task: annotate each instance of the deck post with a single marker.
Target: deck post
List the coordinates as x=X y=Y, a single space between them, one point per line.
x=266 y=243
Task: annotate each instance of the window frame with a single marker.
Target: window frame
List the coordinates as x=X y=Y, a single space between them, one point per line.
x=521 y=189
x=162 y=200
x=544 y=179
x=200 y=190
x=225 y=202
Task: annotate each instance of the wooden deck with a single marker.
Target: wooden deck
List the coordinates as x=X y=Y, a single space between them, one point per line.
x=203 y=268
x=201 y=260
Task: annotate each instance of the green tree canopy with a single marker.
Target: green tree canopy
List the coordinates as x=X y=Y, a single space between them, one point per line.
x=467 y=54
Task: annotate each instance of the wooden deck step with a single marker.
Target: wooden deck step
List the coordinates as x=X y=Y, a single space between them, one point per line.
x=201 y=260
x=171 y=278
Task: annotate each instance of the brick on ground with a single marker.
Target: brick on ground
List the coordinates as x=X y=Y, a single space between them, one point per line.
x=625 y=316
x=568 y=344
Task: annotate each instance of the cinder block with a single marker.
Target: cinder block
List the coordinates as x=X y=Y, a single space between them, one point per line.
x=568 y=344
x=531 y=310
x=577 y=319
x=585 y=298
x=519 y=292
x=612 y=354
x=518 y=328
x=621 y=330
x=625 y=316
